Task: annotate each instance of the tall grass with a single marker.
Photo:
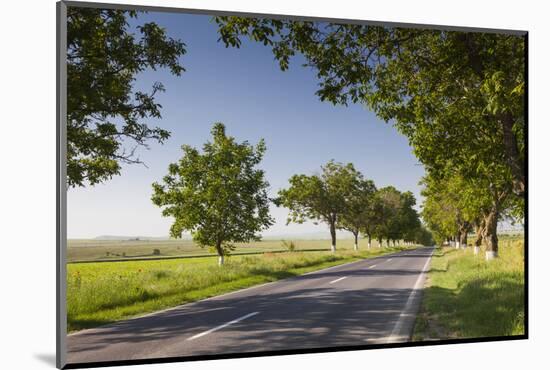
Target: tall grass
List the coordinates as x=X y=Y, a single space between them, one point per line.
x=100 y=293
x=468 y=297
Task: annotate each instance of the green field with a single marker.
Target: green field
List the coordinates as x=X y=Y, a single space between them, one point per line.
x=108 y=250
x=102 y=292
x=467 y=297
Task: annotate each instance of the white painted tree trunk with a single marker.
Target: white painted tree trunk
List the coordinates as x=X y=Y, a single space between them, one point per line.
x=457 y=244
x=220 y=260
x=489 y=255
x=368 y=245
x=333 y=248
x=476 y=249
x=355 y=246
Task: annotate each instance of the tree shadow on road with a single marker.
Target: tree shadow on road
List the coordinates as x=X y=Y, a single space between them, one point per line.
x=304 y=318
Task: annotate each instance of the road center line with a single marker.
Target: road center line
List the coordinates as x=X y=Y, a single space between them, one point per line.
x=389 y=260
x=337 y=280
x=222 y=326
x=373 y=266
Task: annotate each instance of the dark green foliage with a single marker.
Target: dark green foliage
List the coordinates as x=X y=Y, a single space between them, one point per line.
x=397 y=219
x=106 y=116
x=422 y=236
x=360 y=208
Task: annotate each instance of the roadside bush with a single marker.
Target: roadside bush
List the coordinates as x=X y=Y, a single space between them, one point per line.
x=290 y=246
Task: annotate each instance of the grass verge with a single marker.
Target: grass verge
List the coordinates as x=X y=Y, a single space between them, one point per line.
x=467 y=297
x=101 y=293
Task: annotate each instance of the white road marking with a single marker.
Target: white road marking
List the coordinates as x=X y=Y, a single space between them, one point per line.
x=222 y=326
x=337 y=280
x=328 y=268
x=396 y=335
x=389 y=260
x=373 y=266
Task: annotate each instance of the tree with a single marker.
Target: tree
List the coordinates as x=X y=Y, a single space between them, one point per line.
x=106 y=116
x=423 y=236
x=407 y=219
x=396 y=217
x=321 y=197
x=372 y=218
x=454 y=205
x=219 y=196
x=359 y=207
x=389 y=199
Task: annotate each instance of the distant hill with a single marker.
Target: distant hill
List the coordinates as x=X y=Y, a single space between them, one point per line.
x=121 y=237
x=504 y=227
x=307 y=236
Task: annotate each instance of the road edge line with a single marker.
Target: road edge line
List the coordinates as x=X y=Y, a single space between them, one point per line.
x=397 y=335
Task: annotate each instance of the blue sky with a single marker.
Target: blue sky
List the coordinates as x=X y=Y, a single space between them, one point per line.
x=244 y=89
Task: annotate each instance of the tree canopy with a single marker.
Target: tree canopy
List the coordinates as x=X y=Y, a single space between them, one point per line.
x=396 y=217
x=106 y=116
x=360 y=208
x=321 y=197
x=219 y=195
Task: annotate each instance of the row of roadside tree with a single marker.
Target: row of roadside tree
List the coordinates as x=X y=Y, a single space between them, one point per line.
x=341 y=197
x=458 y=97
x=220 y=196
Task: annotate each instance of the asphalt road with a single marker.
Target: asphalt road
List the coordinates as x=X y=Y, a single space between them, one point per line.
x=364 y=302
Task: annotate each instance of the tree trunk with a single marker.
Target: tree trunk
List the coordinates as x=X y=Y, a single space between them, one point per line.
x=379 y=243
x=457 y=241
x=355 y=245
x=490 y=234
x=388 y=243
x=464 y=238
x=333 y=236
x=479 y=237
x=368 y=245
x=221 y=256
